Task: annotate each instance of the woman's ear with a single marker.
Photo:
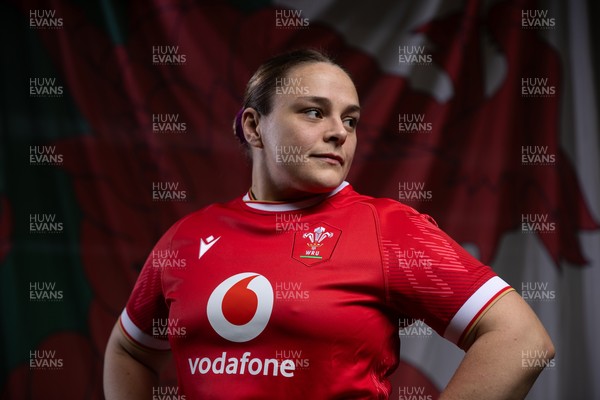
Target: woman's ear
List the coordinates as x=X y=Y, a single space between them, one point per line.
x=250 y=124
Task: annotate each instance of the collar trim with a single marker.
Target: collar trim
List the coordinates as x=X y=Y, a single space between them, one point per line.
x=294 y=206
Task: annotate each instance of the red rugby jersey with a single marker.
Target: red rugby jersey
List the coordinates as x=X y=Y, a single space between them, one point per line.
x=301 y=300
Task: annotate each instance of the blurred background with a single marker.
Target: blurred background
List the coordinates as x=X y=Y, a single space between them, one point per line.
x=116 y=121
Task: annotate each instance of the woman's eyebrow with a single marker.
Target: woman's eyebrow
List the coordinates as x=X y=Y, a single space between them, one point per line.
x=325 y=102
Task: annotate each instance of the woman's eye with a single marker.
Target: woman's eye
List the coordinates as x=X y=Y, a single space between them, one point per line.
x=313 y=113
x=350 y=122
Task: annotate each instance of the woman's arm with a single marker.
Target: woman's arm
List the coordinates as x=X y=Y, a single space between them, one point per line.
x=130 y=372
x=505 y=353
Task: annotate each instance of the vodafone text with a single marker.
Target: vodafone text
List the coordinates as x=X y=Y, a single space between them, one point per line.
x=240 y=366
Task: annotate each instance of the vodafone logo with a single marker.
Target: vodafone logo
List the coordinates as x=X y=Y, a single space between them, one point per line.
x=240 y=307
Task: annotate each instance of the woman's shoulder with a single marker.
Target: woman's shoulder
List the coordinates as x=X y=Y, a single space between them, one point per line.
x=204 y=214
x=381 y=204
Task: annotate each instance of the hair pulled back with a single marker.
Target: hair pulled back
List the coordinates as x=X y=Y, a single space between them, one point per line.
x=262 y=85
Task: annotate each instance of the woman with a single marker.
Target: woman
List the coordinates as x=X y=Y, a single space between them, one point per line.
x=295 y=290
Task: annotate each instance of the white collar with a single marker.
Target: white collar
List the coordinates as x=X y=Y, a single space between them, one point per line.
x=298 y=205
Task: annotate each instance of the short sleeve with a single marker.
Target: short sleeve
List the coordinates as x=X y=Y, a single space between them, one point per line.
x=144 y=318
x=432 y=278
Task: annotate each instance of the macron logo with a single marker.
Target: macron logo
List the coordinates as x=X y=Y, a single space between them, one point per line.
x=206 y=245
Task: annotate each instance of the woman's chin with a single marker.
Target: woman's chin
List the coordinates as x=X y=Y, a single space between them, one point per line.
x=323 y=184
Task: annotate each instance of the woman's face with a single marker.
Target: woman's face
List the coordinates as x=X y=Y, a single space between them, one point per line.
x=309 y=137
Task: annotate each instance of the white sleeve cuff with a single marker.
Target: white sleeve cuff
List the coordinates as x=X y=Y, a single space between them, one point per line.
x=473 y=308
x=139 y=336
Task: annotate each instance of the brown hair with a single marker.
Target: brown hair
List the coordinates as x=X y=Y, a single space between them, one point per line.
x=260 y=88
